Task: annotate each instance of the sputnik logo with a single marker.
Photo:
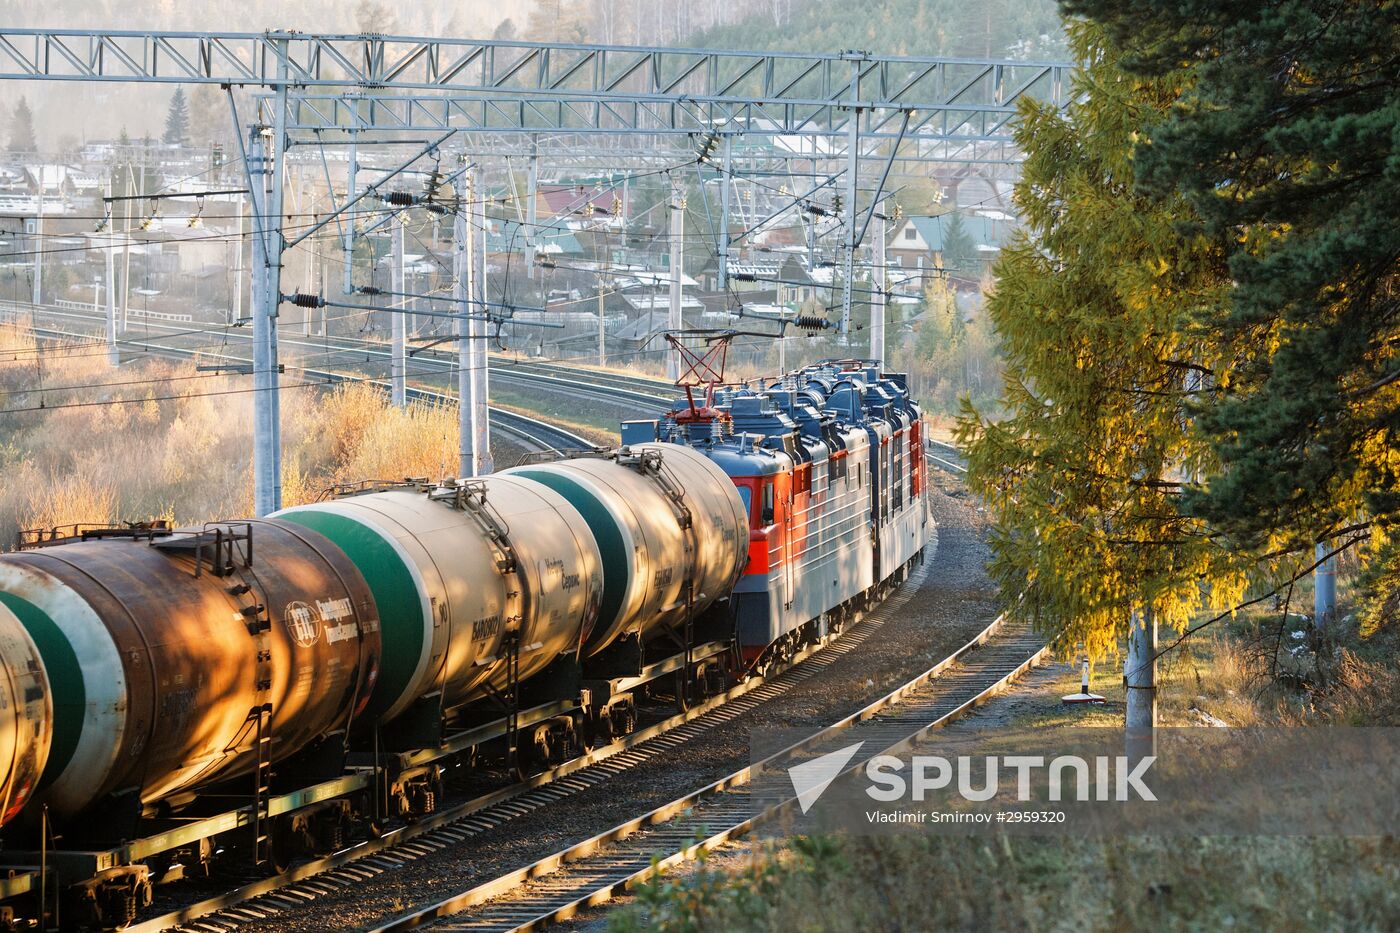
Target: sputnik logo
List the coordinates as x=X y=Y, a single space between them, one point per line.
x=811 y=778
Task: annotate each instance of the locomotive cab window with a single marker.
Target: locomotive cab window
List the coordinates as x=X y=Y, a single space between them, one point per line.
x=767 y=516
x=747 y=495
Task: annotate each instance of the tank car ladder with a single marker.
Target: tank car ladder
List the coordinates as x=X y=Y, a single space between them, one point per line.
x=261 y=718
x=652 y=463
x=469 y=497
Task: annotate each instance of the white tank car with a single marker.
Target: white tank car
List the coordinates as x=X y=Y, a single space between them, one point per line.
x=457 y=571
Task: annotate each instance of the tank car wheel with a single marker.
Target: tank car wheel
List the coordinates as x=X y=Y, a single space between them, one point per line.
x=282 y=845
x=683 y=691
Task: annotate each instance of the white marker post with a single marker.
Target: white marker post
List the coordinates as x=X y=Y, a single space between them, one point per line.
x=1083 y=696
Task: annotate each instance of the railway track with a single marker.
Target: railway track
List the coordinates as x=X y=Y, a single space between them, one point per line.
x=535 y=433
x=946 y=456
x=264 y=899
x=631 y=392
x=595 y=870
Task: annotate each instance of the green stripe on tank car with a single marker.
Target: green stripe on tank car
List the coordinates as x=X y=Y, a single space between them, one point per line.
x=65 y=681
x=401 y=622
x=617 y=563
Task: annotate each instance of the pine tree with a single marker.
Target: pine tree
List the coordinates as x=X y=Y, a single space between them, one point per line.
x=177 y=120
x=1288 y=147
x=959 y=249
x=22 y=138
x=1092 y=308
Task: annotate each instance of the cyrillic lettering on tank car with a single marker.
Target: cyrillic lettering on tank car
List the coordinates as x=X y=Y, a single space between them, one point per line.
x=342 y=632
x=333 y=610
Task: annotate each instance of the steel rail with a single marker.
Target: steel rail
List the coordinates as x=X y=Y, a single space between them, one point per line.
x=952 y=459
x=597 y=869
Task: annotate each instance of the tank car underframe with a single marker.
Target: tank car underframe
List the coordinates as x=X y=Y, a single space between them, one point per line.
x=106 y=885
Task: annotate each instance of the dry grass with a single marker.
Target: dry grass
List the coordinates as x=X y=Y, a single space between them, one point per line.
x=170 y=442
x=922 y=882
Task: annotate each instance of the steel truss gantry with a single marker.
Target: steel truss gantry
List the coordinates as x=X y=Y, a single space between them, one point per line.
x=617 y=88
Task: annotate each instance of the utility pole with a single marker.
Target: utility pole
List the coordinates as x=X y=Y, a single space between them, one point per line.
x=878 y=280
x=111 y=296
x=724 y=211
x=673 y=321
x=39 y=241
x=1324 y=588
x=477 y=333
x=1140 y=681
x=398 y=354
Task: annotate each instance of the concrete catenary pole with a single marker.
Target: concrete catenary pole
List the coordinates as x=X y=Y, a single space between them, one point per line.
x=237 y=311
x=726 y=178
x=267 y=258
x=532 y=183
x=351 y=171
x=398 y=352
x=848 y=257
x=126 y=242
x=478 y=334
x=878 y=278
x=109 y=255
x=38 y=296
x=461 y=293
x=1140 y=681
x=673 y=319
x=602 y=319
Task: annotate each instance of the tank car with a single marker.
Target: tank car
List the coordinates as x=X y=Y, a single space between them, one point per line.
x=181 y=658
x=484 y=584
x=26 y=714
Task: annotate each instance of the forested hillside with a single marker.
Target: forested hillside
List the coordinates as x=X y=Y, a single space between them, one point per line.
x=996 y=28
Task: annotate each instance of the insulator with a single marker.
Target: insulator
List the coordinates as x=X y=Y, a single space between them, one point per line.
x=810 y=322
x=370 y=290
x=398 y=198
x=306 y=301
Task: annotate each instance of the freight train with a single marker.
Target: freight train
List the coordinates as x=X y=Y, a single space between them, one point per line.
x=265 y=686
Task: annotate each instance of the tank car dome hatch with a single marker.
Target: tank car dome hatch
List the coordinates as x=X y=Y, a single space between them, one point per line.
x=164 y=651
x=26 y=711
x=461 y=573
